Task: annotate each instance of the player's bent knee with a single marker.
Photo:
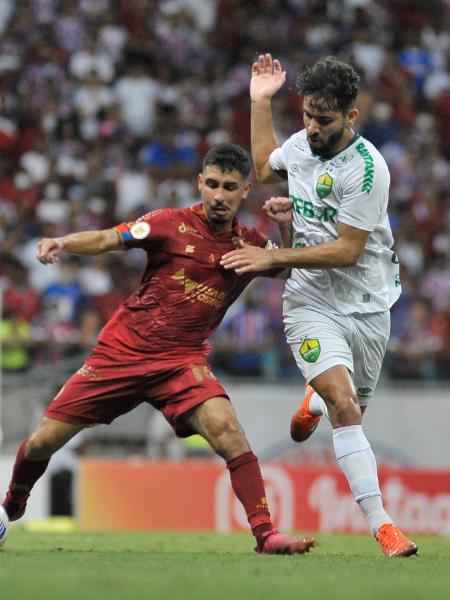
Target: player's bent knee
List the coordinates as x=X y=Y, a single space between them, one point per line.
x=45 y=441
x=41 y=446
x=229 y=440
x=343 y=407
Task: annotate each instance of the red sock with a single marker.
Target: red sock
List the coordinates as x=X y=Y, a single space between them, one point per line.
x=26 y=472
x=248 y=485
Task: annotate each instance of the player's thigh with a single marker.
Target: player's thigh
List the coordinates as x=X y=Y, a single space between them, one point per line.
x=369 y=342
x=186 y=386
x=319 y=340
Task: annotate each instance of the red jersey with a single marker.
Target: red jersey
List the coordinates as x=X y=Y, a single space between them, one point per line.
x=184 y=292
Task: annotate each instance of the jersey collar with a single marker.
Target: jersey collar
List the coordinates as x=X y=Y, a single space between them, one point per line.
x=355 y=137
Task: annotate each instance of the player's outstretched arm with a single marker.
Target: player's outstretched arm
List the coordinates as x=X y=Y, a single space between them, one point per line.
x=342 y=252
x=83 y=242
x=267 y=79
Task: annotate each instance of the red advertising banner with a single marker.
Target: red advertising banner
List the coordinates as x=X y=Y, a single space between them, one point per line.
x=197 y=495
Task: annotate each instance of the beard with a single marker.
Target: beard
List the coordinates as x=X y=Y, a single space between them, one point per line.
x=327 y=148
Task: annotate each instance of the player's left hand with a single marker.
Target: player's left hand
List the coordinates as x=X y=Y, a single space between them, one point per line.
x=248 y=259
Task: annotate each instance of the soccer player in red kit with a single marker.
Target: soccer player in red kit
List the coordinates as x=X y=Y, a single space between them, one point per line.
x=154 y=347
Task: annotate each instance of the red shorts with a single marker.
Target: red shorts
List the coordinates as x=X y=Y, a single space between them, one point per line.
x=109 y=385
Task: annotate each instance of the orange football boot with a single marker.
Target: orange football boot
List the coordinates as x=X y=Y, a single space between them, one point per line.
x=393 y=543
x=303 y=423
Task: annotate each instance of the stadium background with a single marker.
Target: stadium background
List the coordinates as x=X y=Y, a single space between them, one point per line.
x=106 y=109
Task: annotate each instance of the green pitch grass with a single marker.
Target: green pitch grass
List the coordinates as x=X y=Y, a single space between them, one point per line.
x=203 y=566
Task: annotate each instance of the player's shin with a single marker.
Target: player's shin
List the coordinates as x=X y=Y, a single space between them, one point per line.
x=358 y=464
x=248 y=485
x=24 y=476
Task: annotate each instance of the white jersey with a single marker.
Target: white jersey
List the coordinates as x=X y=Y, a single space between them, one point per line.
x=352 y=187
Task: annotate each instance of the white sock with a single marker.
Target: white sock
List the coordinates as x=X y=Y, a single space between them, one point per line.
x=317 y=405
x=359 y=466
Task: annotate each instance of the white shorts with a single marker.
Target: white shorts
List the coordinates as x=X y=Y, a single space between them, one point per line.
x=321 y=339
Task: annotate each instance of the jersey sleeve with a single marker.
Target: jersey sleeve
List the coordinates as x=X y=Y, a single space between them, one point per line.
x=365 y=196
x=149 y=230
x=277 y=160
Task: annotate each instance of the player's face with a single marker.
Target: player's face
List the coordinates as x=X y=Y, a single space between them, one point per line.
x=222 y=194
x=329 y=131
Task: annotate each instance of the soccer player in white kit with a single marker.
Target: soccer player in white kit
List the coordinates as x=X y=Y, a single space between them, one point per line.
x=345 y=275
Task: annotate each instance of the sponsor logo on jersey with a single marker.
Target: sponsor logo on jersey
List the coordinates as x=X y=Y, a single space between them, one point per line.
x=369 y=167
x=310 y=350
x=199 y=291
x=346 y=158
x=309 y=211
x=341 y=161
x=294 y=168
x=324 y=185
x=190 y=249
x=139 y=231
x=183 y=228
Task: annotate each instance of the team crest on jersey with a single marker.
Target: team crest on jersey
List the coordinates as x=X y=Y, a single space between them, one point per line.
x=140 y=230
x=310 y=350
x=324 y=185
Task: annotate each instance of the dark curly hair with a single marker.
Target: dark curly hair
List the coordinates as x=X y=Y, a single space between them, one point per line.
x=228 y=157
x=330 y=82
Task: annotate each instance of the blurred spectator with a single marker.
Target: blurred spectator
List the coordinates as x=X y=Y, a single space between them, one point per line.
x=16 y=338
x=63 y=298
x=245 y=343
x=18 y=295
x=137 y=95
x=412 y=354
x=134 y=190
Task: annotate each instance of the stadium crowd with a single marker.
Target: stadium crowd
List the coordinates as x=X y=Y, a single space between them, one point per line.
x=107 y=106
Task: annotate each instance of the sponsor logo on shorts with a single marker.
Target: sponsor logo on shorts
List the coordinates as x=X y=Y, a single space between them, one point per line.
x=364 y=391
x=140 y=230
x=202 y=372
x=310 y=350
x=90 y=373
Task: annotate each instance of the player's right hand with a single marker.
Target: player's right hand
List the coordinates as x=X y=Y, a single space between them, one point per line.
x=267 y=78
x=48 y=250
